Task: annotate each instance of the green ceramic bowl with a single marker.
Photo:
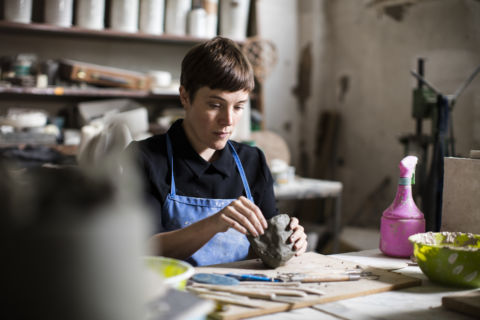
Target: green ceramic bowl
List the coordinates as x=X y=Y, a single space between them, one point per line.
x=450 y=258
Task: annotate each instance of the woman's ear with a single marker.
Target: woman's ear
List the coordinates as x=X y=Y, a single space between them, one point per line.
x=184 y=98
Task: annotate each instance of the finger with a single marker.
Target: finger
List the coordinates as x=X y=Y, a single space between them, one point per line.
x=256 y=210
x=297 y=234
x=234 y=224
x=244 y=206
x=302 y=249
x=293 y=223
x=232 y=212
x=300 y=242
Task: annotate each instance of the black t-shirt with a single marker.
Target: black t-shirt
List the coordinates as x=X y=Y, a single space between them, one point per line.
x=195 y=177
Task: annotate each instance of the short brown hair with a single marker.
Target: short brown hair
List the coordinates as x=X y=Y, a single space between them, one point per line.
x=218 y=64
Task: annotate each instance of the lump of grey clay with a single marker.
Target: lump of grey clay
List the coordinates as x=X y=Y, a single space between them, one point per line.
x=273 y=246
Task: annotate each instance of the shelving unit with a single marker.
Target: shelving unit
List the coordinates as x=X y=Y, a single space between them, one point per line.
x=42 y=28
x=101 y=42
x=82 y=92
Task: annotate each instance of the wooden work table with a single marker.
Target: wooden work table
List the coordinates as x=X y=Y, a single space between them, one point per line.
x=401 y=292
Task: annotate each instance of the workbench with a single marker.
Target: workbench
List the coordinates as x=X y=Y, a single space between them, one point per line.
x=306 y=188
x=418 y=302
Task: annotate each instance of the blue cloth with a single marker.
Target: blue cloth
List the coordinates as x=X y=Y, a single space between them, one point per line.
x=180 y=211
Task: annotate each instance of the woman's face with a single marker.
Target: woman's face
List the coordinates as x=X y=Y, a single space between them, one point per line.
x=211 y=118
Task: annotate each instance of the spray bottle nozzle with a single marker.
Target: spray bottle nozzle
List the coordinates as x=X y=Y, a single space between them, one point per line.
x=407 y=167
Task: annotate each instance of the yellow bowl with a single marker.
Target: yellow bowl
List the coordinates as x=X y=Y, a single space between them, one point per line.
x=450 y=258
x=175 y=273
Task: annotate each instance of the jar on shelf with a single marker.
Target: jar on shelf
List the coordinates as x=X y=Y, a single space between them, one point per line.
x=211 y=7
x=197 y=23
x=90 y=14
x=151 y=16
x=124 y=15
x=59 y=12
x=18 y=10
x=176 y=16
x=234 y=18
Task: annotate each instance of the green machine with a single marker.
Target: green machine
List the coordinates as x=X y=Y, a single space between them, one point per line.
x=430 y=104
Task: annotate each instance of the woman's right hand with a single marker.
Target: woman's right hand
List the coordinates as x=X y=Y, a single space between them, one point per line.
x=244 y=216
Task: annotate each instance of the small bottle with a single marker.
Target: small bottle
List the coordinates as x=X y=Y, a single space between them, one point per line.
x=402 y=218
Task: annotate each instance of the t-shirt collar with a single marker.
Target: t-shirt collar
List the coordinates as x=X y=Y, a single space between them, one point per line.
x=182 y=148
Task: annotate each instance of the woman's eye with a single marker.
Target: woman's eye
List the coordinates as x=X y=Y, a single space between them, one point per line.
x=215 y=105
x=239 y=108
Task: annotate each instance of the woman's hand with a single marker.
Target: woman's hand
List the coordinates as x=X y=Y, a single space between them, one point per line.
x=298 y=237
x=244 y=216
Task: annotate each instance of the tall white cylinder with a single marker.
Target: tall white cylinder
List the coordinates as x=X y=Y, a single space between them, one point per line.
x=176 y=16
x=234 y=18
x=91 y=14
x=211 y=7
x=197 y=23
x=124 y=15
x=151 y=16
x=18 y=10
x=59 y=12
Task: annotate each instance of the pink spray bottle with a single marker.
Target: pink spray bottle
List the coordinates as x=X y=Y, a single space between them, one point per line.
x=402 y=218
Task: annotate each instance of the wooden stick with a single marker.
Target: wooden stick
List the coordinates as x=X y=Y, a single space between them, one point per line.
x=259 y=294
x=253 y=292
x=233 y=300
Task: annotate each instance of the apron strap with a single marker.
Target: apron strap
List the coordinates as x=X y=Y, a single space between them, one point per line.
x=242 y=173
x=170 y=160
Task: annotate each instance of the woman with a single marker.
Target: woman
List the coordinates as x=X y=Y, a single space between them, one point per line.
x=206 y=191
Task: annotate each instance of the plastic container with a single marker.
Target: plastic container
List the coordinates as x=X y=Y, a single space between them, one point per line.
x=151 y=16
x=59 y=12
x=90 y=14
x=402 y=218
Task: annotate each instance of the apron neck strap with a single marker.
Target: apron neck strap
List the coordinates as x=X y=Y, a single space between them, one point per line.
x=235 y=157
x=170 y=160
x=240 y=170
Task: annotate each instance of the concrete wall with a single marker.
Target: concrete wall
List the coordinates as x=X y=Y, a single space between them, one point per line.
x=374 y=52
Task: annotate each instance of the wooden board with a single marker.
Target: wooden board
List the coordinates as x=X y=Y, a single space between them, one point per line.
x=310 y=263
x=467 y=303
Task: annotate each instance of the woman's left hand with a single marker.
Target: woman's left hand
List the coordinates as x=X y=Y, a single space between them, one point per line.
x=298 y=237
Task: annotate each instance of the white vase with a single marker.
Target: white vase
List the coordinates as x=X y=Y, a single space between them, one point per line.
x=124 y=15
x=18 y=10
x=151 y=16
x=91 y=14
x=176 y=16
x=59 y=12
x=234 y=18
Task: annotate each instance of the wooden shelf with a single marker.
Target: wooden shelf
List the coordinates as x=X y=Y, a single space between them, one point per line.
x=82 y=92
x=42 y=28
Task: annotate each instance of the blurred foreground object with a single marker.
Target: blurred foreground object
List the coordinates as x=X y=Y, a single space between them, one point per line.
x=72 y=242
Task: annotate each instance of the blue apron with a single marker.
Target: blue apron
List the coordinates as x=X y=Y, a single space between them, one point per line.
x=181 y=211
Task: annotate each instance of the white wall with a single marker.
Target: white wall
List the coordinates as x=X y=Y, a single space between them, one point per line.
x=278 y=22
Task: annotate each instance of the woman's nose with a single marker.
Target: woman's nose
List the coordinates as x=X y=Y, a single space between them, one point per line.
x=227 y=117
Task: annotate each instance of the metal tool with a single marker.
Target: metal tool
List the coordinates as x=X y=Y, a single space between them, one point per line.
x=217 y=279
x=252 y=277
